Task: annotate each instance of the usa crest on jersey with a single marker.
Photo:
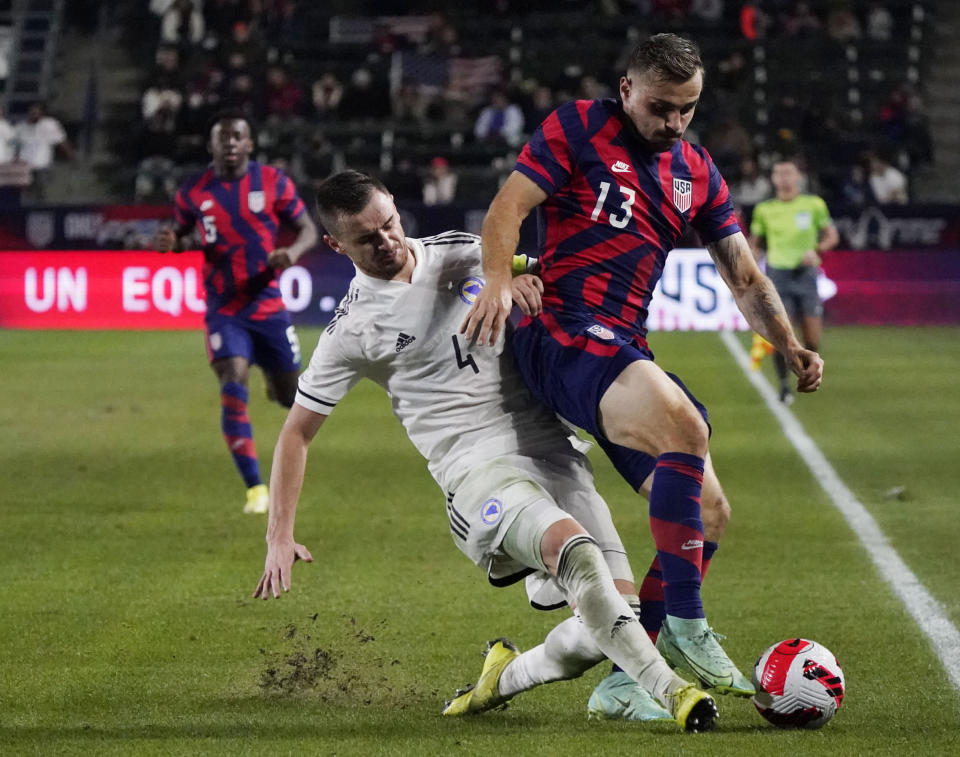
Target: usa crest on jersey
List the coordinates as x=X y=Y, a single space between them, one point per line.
x=682 y=194
x=256 y=201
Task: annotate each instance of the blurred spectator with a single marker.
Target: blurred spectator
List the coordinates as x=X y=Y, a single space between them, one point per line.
x=887 y=183
x=283 y=97
x=155 y=180
x=166 y=65
x=855 y=191
x=442 y=38
x=729 y=144
x=732 y=72
x=500 y=120
x=801 y=22
x=893 y=115
x=786 y=123
x=201 y=101
x=280 y=23
x=542 y=104
x=37 y=137
x=408 y=104
x=916 y=136
x=404 y=182
x=842 y=25
x=219 y=16
x=879 y=23
x=710 y=11
x=160 y=108
x=753 y=21
x=181 y=22
x=326 y=93
x=752 y=187
x=440 y=188
x=671 y=9
x=8 y=135
x=362 y=100
x=243 y=50
x=320 y=158
x=241 y=95
x=591 y=89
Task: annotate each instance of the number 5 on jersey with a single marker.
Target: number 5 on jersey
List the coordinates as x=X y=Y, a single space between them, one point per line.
x=461 y=362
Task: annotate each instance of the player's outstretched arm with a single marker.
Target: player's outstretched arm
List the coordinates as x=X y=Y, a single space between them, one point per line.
x=761 y=306
x=284 y=257
x=499 y=236
x=286 y=481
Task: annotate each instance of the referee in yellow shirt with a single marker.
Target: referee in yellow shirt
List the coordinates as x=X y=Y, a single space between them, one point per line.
x=792 y=229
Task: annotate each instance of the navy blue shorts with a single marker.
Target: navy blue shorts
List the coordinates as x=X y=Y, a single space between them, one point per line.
x=271 y=343
x=571 y=379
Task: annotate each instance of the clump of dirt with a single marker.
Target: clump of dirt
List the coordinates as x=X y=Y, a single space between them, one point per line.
x=346 y=667
x=298 y=672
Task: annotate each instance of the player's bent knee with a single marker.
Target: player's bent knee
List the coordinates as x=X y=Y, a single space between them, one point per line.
x=687 y=432
x=555 y=539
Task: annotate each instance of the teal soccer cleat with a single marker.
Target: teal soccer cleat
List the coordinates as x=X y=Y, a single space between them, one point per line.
x=619 y=697
x=702 y=656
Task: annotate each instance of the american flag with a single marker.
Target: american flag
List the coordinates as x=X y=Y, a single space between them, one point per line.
x=473 y=76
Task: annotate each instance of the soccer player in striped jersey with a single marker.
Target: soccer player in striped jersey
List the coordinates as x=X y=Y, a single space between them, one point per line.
x=520 y=496
x=617 y=186
x=237 y=206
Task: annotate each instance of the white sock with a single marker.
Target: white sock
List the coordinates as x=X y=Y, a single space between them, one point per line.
x=609 y=620
x=567 y=652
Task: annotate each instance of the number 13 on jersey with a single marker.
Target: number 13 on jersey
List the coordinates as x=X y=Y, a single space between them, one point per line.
x=618 y=222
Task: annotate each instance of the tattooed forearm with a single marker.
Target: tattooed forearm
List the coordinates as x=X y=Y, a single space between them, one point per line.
x=753 y=292
x=764 y=311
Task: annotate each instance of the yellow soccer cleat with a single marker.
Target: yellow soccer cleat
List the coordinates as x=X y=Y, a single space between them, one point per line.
x=694 y=710
x=258 y=499
x=486 y=694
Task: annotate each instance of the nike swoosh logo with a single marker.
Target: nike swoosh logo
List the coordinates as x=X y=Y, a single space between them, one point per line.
x=687 y=545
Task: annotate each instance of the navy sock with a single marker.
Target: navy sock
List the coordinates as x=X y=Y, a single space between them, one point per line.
x=678 y=530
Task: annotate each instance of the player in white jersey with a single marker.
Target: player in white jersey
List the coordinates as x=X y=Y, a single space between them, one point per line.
x=520 y=497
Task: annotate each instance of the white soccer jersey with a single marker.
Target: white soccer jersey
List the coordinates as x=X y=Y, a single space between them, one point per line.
x=461 y=407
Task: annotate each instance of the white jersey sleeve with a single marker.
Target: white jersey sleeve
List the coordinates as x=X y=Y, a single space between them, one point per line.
x=337 y=363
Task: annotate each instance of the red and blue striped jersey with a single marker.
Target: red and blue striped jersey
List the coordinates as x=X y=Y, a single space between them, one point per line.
x=239 y=220
x=614 y=212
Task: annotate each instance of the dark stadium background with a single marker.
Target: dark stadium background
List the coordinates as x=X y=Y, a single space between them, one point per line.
x=842 y=84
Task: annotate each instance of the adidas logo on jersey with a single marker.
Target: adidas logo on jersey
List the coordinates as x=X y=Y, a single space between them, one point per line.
x=404 y=340
x=620 y=167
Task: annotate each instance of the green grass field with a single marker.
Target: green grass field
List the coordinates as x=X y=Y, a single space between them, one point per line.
x=127 y=623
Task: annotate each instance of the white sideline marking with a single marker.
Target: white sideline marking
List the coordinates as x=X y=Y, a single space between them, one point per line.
x=925 y=610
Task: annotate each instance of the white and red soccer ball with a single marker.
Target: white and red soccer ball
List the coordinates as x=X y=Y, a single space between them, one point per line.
x=799 y=684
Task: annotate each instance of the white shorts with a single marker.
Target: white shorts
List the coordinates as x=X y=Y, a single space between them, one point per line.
x=530 y=495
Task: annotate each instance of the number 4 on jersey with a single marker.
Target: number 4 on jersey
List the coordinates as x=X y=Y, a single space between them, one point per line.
x=461 y=363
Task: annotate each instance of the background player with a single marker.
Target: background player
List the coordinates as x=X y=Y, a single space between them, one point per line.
x=618 y=188
x=520 y=498
x=237 y=206
x=794 y=228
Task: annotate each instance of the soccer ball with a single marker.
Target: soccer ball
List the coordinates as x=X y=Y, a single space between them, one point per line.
x=799 y=684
